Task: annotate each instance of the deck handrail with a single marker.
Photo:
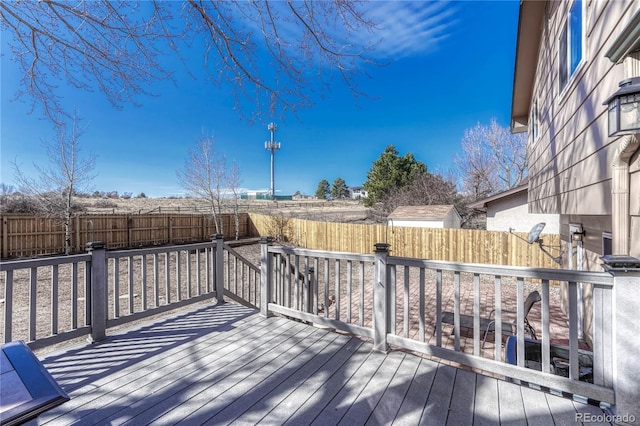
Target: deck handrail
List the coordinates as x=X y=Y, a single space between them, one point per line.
x=598 y=278
x=381 y=287
x=112 y=287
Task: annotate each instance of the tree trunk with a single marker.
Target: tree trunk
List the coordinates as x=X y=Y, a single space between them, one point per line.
x=237 y=219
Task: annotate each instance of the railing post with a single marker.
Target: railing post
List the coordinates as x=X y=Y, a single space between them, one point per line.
x=98 y=291
x=219 y=272
x=381 y=298
x=626 y=345
x=310 y=284
x=265 y=275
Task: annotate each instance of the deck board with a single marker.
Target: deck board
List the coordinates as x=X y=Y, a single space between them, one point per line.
x=436 y=409
x=391 y=400
x=276 y=396
x=464 y=390
x=536 y=407
x=410 y=411
x=486 y=410
x=511 y=404
x=369 y=398
x=228 y=365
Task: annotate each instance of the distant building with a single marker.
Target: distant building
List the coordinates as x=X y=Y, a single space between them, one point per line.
x=357 y=192
x=509 y=210
x=434 y=216
x=256 y=195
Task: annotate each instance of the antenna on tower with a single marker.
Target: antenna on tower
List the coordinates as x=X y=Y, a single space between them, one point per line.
x=272 y=146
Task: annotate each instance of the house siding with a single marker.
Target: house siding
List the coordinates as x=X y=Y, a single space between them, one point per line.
x=512 y=213
x=570 y=169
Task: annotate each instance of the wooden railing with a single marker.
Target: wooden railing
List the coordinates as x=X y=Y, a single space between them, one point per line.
x=392 y=300
x=242 y=282
x=44 y=298
x=50 y=300
x=400 y=301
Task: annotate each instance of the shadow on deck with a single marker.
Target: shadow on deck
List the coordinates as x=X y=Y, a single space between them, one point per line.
x=224 y=364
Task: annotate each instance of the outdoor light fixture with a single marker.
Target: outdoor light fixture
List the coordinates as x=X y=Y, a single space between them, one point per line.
x=576 y=231
x=624 y=108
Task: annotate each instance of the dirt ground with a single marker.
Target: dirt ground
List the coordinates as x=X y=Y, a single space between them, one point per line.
x=324 y=210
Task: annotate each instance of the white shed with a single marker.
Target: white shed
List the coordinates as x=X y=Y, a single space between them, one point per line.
x=434 y=216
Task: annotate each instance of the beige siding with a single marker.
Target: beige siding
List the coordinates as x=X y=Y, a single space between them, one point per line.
x=452 y=220
x=569 y=165
x=513 y=213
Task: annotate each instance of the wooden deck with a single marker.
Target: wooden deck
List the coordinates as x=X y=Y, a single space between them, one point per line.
x=226 y=364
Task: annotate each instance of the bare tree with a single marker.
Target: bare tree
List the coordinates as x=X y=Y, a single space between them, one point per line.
x=67 y=174
x=204 y=175
x=492 y=160
x=233 y=184
x=271 y=52
x=425 y=189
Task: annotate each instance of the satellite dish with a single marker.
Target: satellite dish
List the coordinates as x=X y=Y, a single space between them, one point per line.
x=534 y=234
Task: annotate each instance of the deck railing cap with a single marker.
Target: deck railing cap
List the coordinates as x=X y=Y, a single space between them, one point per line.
x=620 y=263
x=95 y=245
x=381 y=247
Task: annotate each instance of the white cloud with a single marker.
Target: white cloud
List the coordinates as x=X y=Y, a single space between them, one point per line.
x=406 y=28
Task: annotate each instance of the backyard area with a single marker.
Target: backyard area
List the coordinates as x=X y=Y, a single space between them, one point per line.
x=164 y=299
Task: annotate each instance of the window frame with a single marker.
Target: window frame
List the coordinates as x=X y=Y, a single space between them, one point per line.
x=535 y=121
x=607 y=236
x=566 y=68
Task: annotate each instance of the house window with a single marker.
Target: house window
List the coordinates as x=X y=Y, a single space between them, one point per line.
x=607 y=243
x=535 y=121
x=570 y=44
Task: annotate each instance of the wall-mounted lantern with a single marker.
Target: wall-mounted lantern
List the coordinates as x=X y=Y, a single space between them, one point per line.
x=576 y=231
x=624 y=108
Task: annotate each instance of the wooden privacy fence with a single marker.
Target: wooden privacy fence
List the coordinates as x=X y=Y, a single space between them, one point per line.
x=29 y=235
x=453 y=245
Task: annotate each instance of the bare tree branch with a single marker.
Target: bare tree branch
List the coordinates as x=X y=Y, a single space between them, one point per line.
x=204 y=175
x=273 y=54
x=67 y=174
x=492 y=160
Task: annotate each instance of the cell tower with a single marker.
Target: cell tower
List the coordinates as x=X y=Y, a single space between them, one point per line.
x=272 y=146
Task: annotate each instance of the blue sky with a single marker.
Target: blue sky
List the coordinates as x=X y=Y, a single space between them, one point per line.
x=450 y=67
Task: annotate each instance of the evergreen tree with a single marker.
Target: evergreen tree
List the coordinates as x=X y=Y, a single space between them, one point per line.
x=339 y=189
x=323 y=189
x=390 y=172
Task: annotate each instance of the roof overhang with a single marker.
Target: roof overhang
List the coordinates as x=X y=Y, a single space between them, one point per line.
x=530 y=22
x=482 y=204
x=628 y=40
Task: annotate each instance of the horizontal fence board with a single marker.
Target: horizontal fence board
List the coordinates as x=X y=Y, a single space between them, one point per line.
x=32 y=235
x=452 y=245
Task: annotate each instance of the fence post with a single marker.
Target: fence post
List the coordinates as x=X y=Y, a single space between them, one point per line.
x=219 y=271
x=381 y=298
x=98 y=292
x=265 y=275
x=5 y=238
x=626 y=346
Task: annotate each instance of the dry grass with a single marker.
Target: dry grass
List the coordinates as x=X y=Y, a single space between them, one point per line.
x=334 y=211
